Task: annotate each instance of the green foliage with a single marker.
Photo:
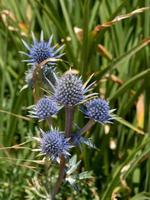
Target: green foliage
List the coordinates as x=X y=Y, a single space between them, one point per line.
x=118 y=55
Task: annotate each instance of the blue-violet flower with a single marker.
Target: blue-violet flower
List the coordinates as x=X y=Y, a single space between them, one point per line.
x=69 y=90
x=98 y=110
x=54 y=144
x=41 y=50
x=45 y=108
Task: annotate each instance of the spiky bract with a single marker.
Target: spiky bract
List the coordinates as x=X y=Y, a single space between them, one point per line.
x=45 y=108
x=54 y=144
x=41 y=50
x=69 y=90
x=98 y=110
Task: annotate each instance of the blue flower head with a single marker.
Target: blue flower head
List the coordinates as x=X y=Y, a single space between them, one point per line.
x=45 y=108
x=70 y=90
x=41 y=50
x=54 y=144
x=98 y=110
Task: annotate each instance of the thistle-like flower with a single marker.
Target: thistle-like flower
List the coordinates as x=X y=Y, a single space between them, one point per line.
x=98 y=110
x=54 y=144
x=41 y=50
x=44 y=108
x=70 y=90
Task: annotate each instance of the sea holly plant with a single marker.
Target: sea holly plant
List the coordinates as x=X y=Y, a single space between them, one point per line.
x=66 y=92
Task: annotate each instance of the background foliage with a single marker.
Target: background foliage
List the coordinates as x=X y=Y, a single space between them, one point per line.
x=118 y=54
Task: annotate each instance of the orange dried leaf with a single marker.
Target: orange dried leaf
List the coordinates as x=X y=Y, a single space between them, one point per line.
x=118 y=19
x=104 y=52
x=114 y=78
x=23 y=27
x=140 y=111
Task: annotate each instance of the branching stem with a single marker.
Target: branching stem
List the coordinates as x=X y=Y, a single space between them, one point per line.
x=49 y=121
x=60 y=178
x=87 y=127
x=37 y=80
x=69 y=111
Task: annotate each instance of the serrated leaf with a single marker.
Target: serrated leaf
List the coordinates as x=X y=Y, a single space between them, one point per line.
x=83 y=175
x=72 y=182
x=73 y=168
x=89 y=143
x=72 y=160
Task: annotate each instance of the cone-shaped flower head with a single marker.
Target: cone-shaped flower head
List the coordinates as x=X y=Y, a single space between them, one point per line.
x=41 y=50
x=69 y=90
x=98 y=110
x=54 y=144
x=45 y=108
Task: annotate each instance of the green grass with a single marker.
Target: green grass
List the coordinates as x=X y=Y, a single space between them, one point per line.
x=121 y=70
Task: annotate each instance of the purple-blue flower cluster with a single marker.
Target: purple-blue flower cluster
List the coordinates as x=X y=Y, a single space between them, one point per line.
x=68 y=91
